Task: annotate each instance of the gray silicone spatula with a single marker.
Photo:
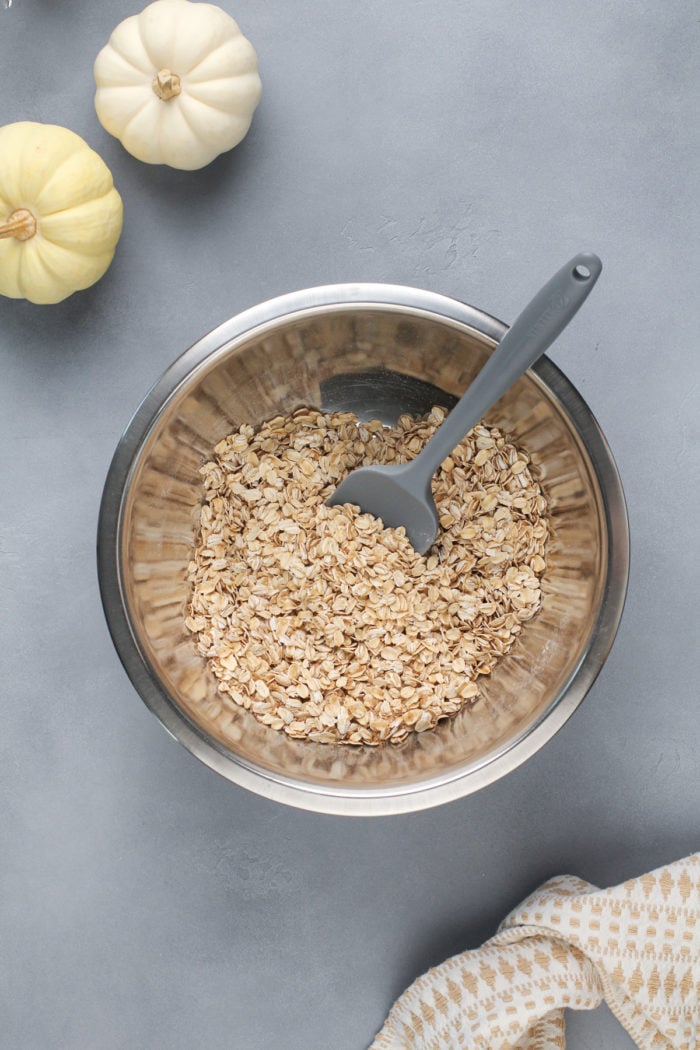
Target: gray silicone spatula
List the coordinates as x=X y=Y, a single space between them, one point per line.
x=402 y=494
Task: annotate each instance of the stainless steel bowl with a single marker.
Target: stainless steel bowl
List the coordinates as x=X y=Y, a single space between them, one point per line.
x=379 y=350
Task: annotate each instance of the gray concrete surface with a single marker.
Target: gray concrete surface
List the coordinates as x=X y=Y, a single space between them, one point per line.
x=464 y=147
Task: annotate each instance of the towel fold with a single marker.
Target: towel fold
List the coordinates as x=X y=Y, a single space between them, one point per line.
x=570 y=944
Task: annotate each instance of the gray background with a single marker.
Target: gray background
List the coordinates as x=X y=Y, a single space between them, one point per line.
x=466 y=147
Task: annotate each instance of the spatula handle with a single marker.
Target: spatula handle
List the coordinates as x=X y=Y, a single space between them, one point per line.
x=526 y=340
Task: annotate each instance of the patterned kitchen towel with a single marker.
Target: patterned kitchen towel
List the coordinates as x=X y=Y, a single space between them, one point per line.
x=569 y=944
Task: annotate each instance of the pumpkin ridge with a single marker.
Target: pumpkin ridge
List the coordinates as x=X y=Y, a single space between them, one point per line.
x=28 y=147
x=112 y=119
x=50 y=179
x=145 y=45
x=193 y=129
x=225 y=32
x=56 y=277
x=215 y=80
x=210 y=105
x=133 y=117
x=190 y=91
x=84 y=249
x=208 y=56
x=205 y=82
x=126 y=58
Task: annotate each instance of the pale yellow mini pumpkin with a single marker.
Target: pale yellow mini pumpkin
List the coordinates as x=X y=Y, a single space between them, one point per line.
x=60 y=215
x=178 y=84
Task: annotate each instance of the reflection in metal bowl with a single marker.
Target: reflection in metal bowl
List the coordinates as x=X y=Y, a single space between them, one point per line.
x=379 y=350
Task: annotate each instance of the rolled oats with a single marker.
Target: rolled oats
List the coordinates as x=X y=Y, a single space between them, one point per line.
x=327 y=626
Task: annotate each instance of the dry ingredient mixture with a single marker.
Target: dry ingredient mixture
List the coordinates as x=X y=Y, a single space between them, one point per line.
x=331 y=628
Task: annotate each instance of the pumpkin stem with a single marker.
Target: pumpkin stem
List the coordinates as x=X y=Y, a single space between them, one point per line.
x=166 y=84
x=21 y=224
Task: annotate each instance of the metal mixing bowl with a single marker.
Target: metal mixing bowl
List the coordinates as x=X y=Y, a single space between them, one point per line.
x=379 y=350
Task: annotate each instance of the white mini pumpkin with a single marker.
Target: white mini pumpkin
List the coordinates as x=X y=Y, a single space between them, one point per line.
x=178 y=84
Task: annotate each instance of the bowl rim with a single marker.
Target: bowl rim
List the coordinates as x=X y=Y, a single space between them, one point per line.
x=328 y=797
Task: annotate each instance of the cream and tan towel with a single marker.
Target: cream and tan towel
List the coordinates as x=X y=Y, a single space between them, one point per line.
x=637 y=946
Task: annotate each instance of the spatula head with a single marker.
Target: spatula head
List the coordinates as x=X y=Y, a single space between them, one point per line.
x=390 y=493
